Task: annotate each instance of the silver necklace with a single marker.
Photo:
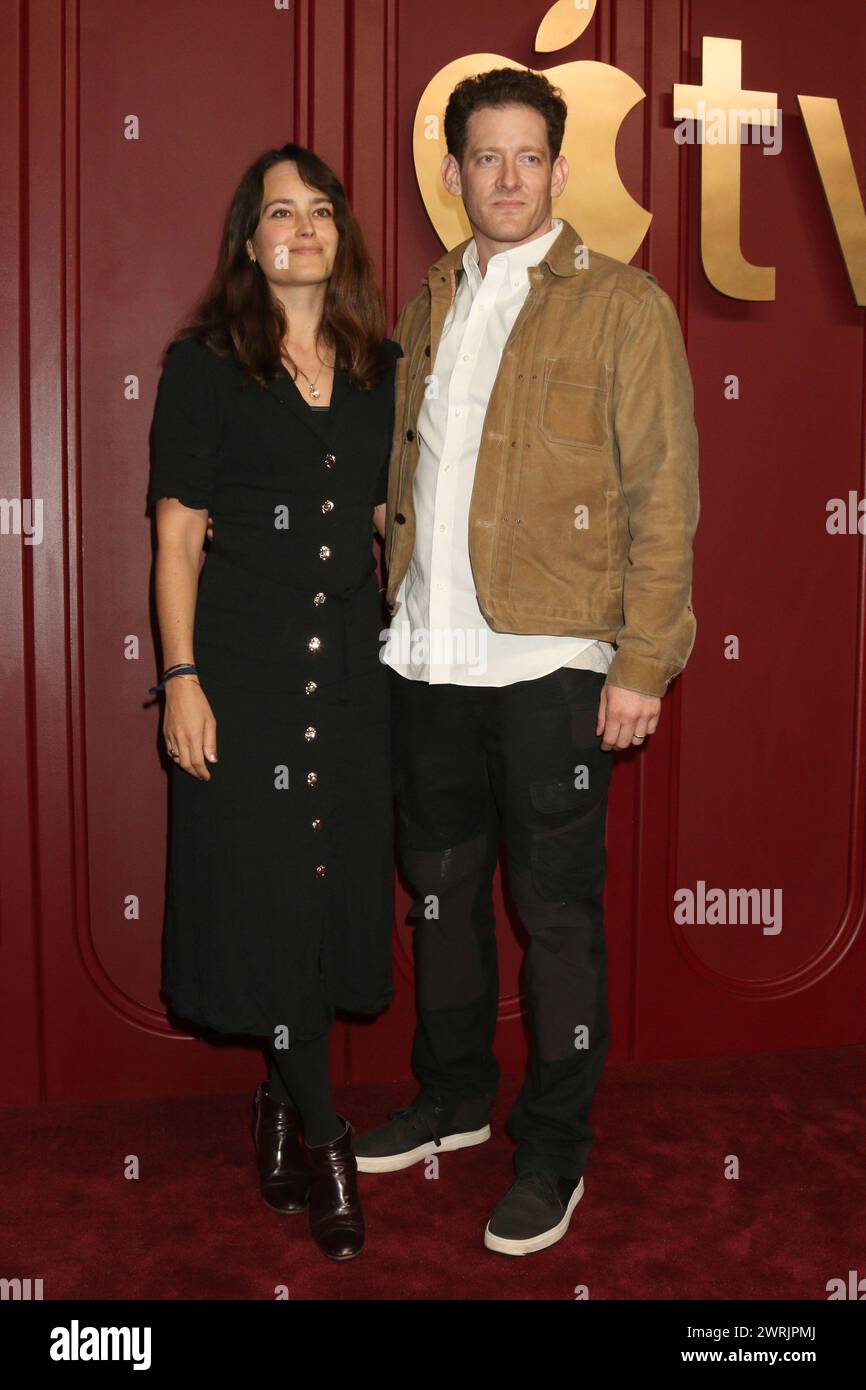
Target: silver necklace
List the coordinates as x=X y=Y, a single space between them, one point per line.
x=313 y=388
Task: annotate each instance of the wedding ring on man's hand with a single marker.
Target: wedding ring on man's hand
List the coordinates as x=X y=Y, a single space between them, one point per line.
x=173 y=753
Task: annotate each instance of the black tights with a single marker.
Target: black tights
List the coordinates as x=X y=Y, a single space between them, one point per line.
x=300 y=1076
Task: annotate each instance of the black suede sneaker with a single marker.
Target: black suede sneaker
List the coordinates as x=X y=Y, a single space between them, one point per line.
x=534 y=1213
x=409 y=1135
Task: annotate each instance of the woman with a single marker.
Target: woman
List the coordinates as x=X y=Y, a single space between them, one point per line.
x=274 y=415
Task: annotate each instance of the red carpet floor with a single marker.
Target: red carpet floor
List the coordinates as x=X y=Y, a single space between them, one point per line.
x=659 y=1219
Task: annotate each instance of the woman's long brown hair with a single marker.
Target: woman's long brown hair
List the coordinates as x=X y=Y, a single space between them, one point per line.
x=239 y=316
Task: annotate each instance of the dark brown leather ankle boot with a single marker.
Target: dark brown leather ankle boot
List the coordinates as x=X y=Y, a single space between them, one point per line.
x=280 y=1153
x=336 y=1219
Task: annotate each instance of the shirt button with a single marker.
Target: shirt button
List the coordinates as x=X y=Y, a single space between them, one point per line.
x=443 y=527
x=324 y=552
x=410 y=435
x=327 y=506
x=312 y=779
x=317 y=824
x=314 y=644
x=330 y=460
x=319 y=599
x=320 y=871
x=310 y=733
x=310 y=688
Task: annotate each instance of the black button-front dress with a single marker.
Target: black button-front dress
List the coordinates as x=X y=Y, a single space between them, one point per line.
x=280 y=885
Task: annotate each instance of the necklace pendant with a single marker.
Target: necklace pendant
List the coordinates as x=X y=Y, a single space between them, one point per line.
x=315 y=392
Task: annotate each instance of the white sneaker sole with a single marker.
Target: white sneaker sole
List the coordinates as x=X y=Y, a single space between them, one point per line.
x=533 y=1243
x=391 y=1163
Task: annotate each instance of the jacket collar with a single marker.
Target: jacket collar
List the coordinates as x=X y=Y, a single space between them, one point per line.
x=560 y=260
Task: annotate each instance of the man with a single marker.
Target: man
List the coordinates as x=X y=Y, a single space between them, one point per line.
x=542 y=503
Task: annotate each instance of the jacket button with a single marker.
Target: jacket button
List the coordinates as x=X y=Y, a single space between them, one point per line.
x=310 y=688
x=319 y=599
x=314 y=644
x=327 y=506
x=317 y=823
x=320 y=871
x=312 y=779
x=310 y=733
x=410 y=435
x=330 y=460
x=400 y=519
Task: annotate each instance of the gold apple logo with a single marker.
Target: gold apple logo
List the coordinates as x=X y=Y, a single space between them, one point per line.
x=599 y=98
x=596 y=201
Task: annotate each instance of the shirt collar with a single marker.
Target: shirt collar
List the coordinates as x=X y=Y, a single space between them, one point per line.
x=516 y=261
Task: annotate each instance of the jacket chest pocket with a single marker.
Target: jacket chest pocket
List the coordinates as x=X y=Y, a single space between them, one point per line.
x=573 y=406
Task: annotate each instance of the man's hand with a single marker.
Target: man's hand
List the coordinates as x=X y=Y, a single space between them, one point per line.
x=626 y=717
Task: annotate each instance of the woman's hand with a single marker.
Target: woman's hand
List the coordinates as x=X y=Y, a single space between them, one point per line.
x=189 y=726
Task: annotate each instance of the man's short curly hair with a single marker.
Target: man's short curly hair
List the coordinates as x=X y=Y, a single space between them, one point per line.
x=504 y=87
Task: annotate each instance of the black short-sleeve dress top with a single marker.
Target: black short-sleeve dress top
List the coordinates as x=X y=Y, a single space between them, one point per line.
x=280 y=885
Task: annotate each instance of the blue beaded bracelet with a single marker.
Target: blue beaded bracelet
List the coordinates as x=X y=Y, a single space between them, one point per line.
x=167 y=676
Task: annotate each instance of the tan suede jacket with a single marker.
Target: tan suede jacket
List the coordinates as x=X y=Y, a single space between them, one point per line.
x=585 y=500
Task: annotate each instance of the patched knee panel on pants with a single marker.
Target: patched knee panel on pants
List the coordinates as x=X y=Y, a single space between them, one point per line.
x=448 y=970
x=565 y=961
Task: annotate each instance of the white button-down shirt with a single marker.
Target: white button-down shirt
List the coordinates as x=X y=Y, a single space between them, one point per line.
x=439 y=634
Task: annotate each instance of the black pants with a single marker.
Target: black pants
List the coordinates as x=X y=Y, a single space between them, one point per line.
x=525 y=761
